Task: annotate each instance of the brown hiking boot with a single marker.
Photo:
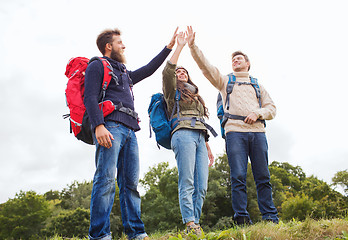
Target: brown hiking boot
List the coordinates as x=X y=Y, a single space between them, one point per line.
x=194 y=228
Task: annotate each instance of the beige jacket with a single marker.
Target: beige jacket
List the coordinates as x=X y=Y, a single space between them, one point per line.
x=243 y=100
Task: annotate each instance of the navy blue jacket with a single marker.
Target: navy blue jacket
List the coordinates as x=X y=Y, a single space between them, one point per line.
x=116 y=93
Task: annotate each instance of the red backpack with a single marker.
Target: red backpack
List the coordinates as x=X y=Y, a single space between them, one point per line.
x=74 y=93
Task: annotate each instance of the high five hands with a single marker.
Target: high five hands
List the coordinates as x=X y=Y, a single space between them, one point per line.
x=182 y=38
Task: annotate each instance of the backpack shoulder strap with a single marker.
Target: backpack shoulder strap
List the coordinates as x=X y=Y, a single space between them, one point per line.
x=108 y=71
x=256 y=86
x=229 y=88
x=108 y=74
x=176 y=104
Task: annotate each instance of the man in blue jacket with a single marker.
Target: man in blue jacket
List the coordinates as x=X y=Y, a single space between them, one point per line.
x=116 y=143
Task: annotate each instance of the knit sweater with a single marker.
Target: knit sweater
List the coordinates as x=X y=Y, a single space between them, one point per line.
x=121 y=93
x=243 y=100
x=186 y=108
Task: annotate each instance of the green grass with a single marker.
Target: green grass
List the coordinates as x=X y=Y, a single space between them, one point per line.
x=334 y=229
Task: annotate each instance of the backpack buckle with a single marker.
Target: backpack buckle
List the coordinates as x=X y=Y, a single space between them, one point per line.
x=193 y=121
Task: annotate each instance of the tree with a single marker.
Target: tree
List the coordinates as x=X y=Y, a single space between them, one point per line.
x=24 y=216
x=218 y=199
x=160 y=203
x=341 y=179
x=52 y=195
x=286 y=181
x=70 y=223
x=298 y=207
x=77 y=195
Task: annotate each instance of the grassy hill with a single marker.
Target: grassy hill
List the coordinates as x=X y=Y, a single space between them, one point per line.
x=334 y=229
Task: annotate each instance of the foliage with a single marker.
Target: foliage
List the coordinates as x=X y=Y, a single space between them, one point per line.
x=296 y=230
x=217 y=203
x=341 y=178
x=66 y=213
x=295 y=196
x=76 y=199
x=23 y=217
x=70 y=223
x=160 y=203
x=76 y=195
x=299 y=207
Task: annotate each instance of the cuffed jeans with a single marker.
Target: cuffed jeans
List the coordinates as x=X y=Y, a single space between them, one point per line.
x=240 y=145
x=192 y=159
x=124 y=156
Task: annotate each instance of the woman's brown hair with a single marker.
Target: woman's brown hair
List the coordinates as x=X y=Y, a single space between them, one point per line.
x=187 y=95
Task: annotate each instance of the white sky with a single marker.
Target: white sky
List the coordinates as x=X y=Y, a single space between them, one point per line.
x=298 y=51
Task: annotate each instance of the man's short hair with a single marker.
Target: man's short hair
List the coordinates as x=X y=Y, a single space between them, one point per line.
x=243 y=54
x=106 y=37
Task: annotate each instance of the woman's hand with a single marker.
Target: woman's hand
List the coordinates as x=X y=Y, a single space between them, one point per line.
x=181 y=39
x=210 y=155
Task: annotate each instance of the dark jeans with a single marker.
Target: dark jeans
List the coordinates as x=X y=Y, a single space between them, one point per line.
x=240 y=146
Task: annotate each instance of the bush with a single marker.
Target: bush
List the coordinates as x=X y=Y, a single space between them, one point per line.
x=298 y=207
x=70 y=223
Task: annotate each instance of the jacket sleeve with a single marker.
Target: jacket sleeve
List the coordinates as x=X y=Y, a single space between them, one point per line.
x=169 y=81
x=93 y=83
x=268 y=109
x=149 y=68
x=209 y=71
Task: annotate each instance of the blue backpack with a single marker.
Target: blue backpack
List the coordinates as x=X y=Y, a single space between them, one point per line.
x=224 y=116
x=161 y=124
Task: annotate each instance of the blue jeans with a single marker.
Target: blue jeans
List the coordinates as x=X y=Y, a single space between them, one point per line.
x=192 y=159
x=124 y=156
x=240 y=146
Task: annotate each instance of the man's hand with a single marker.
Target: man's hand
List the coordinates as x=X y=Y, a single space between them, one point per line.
x=190 y=36
x=251 y=118
x=172 y=41
x=103 y=136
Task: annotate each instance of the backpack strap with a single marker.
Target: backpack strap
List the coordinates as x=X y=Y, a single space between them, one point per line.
x=128 y=111
x=176 y=104
x=108 y=75
x=229 y=88
x=193 y=119
x=256 y=86
x=193 y=123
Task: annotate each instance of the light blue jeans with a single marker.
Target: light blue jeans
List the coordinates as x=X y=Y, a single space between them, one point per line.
x=192 y=159
x=124 y=156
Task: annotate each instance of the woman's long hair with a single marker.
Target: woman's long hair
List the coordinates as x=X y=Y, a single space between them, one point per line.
x=188 y=96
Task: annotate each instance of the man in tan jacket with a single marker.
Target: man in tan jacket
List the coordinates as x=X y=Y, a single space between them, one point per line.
x=244 y=138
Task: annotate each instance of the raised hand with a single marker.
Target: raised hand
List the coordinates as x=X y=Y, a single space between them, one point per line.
x=181 y=40
x=172 y=41
x=190 y=36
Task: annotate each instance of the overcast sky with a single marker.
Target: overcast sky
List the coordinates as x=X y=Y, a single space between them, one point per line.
x=298 y=51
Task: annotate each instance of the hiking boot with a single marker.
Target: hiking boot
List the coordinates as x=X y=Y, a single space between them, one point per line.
x=242 y=220
x=194 y=228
